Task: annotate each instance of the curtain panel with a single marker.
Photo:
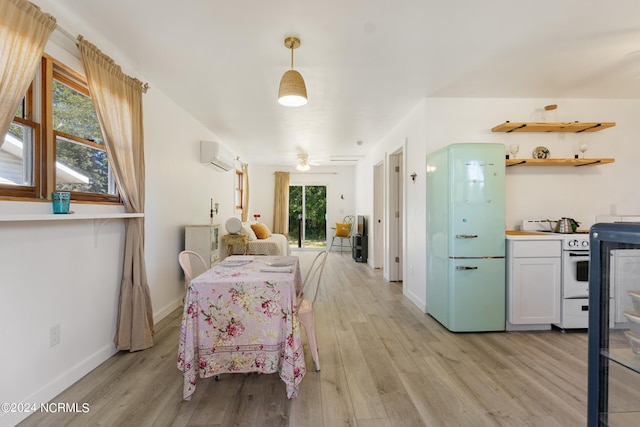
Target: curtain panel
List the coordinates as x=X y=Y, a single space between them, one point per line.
x=118 y=103
x=281 y=204
x=24 y=31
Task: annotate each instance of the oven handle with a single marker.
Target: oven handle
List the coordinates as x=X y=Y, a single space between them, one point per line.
x=579 y=254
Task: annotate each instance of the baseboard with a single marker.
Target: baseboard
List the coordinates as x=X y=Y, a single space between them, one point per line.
x=59 y=384
x=418 y=302
x=158 y=315
x=536 y=327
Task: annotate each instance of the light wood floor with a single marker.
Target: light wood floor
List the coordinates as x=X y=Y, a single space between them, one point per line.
x=384 y=363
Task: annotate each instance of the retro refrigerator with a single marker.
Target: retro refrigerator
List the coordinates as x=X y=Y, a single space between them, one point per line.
x=466 y=237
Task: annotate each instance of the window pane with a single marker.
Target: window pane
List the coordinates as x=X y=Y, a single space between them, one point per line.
x=238 y=191
x=20 y=110
x=81 y=167
x=16 y=156
x=73 y=113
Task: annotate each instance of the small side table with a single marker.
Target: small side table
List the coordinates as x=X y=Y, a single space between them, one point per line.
x=231 y=241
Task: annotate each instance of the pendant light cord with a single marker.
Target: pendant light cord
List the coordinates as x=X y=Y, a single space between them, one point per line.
x=292 y=56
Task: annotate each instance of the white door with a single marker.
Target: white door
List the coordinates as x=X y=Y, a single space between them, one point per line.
x=394 y=215
x=376 y=233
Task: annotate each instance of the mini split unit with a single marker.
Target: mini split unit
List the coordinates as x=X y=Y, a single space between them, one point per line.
x=216 y=156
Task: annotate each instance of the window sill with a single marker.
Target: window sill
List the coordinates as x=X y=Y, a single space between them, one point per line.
x=66 y=217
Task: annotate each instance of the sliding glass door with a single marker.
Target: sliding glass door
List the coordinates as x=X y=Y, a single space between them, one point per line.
x=308 y=216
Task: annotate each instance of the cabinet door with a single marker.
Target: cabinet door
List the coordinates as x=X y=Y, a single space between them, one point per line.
x=534 y=291
x=203 y=240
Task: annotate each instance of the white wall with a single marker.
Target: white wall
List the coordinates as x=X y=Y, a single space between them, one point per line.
x=532 y=192
x=410 y=135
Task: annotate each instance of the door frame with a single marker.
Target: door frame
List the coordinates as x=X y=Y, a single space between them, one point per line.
x=394 y=213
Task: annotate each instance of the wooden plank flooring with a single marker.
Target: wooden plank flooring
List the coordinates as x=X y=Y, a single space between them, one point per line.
x=384 y=363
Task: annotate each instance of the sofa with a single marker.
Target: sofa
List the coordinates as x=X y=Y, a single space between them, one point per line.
x=263 y=242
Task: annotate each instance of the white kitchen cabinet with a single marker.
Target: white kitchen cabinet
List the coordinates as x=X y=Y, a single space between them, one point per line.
x=203 y=239
x=534 y=275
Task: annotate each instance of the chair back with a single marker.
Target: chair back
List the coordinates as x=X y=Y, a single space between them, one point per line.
x=312 y=280
x=186 y=260
x=349 y=219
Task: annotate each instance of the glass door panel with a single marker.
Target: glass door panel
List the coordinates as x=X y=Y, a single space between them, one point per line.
x=308 y=216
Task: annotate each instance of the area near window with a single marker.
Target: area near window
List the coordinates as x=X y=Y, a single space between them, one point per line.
x=239 y=188
x=55 y=142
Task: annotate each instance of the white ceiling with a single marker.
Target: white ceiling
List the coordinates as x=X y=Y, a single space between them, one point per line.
x=366 y=63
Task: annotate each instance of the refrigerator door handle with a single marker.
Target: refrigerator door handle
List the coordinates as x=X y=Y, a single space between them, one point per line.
x=466 y=267
x=466 y=236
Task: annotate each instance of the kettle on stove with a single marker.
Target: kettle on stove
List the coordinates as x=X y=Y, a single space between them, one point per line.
x=566 y=226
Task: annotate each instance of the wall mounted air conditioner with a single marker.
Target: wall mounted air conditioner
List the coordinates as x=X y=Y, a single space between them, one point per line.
x=216 y=156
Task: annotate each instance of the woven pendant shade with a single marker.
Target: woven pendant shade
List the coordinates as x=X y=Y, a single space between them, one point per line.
x=292 y=92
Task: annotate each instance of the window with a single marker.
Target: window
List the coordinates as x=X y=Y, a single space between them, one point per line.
x=19 y=153
x=81 y=158
x=63 y=150
x=239 y=188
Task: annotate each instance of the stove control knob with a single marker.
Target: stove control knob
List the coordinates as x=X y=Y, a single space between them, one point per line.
x=585 y=244
x=573 y=243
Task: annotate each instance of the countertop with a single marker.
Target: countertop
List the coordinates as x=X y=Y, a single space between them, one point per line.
x=532 y=235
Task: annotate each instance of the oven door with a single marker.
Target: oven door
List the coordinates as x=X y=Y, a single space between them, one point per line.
x=575 y=274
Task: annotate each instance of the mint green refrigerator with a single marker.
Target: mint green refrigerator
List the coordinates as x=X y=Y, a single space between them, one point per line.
x=466 y=237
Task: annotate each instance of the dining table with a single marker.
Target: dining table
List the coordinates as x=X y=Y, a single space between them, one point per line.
x=240 y=316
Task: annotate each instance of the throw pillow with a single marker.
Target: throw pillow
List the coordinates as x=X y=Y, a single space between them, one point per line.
x=246 y=229
x=261 y=230
x=342 y=230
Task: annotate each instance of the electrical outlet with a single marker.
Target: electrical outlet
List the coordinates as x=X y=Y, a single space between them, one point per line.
x=54 y=335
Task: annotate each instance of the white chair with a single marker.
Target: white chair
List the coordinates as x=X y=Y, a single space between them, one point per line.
x=186 y=260
x=343 y=231
x=307 y=299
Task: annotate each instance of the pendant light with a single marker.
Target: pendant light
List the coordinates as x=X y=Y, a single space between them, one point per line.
x=292 y=92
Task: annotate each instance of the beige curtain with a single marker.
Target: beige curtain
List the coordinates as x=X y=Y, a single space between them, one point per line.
x=245 y=192
x=24 y=31
x=281 y=204
x=118 y=103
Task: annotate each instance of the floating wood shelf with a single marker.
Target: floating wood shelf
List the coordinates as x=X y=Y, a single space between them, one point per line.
x=558 y=162
x=575 y=127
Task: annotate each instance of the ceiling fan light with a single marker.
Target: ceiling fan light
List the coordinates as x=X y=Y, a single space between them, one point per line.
x=292 y=91
x=303 y=166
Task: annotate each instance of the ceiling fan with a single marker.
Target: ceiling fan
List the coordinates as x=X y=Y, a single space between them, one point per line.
x=304 y=163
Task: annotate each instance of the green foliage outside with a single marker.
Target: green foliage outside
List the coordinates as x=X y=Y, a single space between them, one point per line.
x=73 y=113
x=17 y=130
x=315 y=201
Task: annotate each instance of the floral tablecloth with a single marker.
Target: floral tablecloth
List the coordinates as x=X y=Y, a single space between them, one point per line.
x=242 y=318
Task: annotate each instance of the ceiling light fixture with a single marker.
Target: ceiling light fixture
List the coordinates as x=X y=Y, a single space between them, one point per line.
x=303 y=166
x=292 y=92
x=303 y=163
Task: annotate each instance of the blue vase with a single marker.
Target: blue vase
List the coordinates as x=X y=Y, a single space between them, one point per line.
x=60 y=202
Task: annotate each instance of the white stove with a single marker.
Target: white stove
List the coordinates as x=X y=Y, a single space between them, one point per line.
x=577 y=240
x=575 y=273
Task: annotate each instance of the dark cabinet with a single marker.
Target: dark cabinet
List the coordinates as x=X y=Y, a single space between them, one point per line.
x=359 y=248
x=614 y=369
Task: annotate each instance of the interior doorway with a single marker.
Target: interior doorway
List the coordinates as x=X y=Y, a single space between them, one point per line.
x=395 y=214
x=308 y=216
